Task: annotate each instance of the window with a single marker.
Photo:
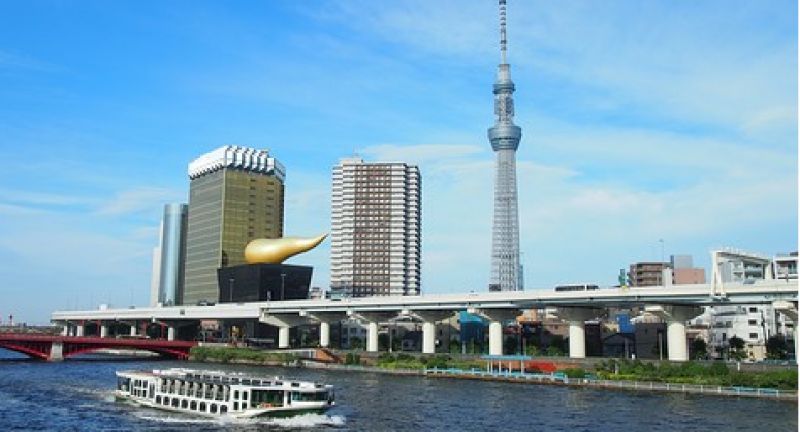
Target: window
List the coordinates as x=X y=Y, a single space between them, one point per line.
x=236 y=406
x=202 y=406
x=158 y=399
x=752 y=322
x=193 y=406
x=236 y=394
x=244 y=396
x=175 y=402
x=213 y=408
x=223 y=409
x=753 y=309
x=166 y=401
x=184 y=404
x=753 y=335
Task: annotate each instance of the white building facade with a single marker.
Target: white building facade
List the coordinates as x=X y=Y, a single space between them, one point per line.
x=754 y=324
x=375 y=229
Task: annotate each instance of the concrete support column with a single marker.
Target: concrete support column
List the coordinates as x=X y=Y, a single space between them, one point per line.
x=429 y=320
x=372 y=336
x=56 y=352
x=373 y=319
x=577 y=339
x=171 y=333
x=103 y=330
x=496 y=318
x=576 y=317
x=284 y=321
x=676 y=341
x=428 y=337
x=324 y=334
x=675 y=317
x=65 y=330
x=283 y=337
x=133 y=330
x=79 y=330
x=495 y=338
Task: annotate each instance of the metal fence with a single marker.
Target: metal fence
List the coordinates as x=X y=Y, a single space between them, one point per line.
x=561 y=378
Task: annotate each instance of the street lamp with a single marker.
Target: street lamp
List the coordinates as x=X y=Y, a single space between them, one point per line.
x=283 y=285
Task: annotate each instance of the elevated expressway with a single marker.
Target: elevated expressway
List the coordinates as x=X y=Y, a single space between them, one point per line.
x=675 y=304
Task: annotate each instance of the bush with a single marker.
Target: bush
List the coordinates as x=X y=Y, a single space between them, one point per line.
x=574 y=373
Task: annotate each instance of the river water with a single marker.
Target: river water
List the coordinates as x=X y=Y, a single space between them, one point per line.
x=77 y=395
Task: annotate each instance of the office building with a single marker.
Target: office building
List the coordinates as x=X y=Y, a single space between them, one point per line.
x=647 y=273
x=506 y=272
x=169 y=257
x=236 y=194
x=684 y=272
x=375 y=229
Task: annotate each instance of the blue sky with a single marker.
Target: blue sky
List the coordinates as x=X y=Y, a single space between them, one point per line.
x=641 y=121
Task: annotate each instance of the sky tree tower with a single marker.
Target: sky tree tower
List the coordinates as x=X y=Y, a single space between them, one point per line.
x=506 y=272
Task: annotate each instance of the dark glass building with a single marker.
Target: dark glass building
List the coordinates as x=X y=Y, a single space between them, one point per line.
x=236 y=195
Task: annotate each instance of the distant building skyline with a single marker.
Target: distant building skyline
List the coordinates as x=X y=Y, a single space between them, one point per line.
x=236 y=194
x=375 y=229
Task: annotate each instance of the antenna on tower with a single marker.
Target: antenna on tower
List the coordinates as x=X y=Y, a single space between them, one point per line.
x=503 y=32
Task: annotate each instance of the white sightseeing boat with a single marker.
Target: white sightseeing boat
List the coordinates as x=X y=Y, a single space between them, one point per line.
x=216 y=394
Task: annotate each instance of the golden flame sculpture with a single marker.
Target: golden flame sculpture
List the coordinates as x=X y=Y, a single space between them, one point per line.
x=275 y=251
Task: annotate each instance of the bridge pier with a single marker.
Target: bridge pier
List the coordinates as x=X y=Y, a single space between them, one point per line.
x=496 y=318
x=429 y=320
x=373 y=319
x=65 y=330
x=79 y=330
x=576 y=317
x=325 y=319
x=675 y=317
x=284 y=322
x=103 y=330
x=171 y=333
x=133 y=330
x=56 y=352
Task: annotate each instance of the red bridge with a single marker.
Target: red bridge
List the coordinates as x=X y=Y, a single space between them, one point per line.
x=55 y=348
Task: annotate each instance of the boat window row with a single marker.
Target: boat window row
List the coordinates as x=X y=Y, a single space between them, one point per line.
x=193 y=405
x=232 y=380
x=195 y=389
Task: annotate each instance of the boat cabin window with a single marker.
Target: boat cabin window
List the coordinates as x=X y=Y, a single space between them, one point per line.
x=124 y=384
x=203 y=406
x=309 y=396
x=193 y=406
x=266 y=398
x=213 y=408
x=236 y=406
x=236 y=394
x=223 y=409
x=244 y=396
x=166 y=401
x=158 y=399
x=175 y=402
x=184 y=404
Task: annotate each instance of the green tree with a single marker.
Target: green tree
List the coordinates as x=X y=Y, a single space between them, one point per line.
x=777 y=348
x=736 y=349
x=455 y=347
x=699 y=349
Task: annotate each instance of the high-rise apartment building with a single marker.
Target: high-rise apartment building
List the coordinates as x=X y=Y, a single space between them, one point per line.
x=506 y=271
x=169 y=257
x=375 y=232
x=236 y=195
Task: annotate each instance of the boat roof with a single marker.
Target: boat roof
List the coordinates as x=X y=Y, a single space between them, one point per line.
x=221 y=377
